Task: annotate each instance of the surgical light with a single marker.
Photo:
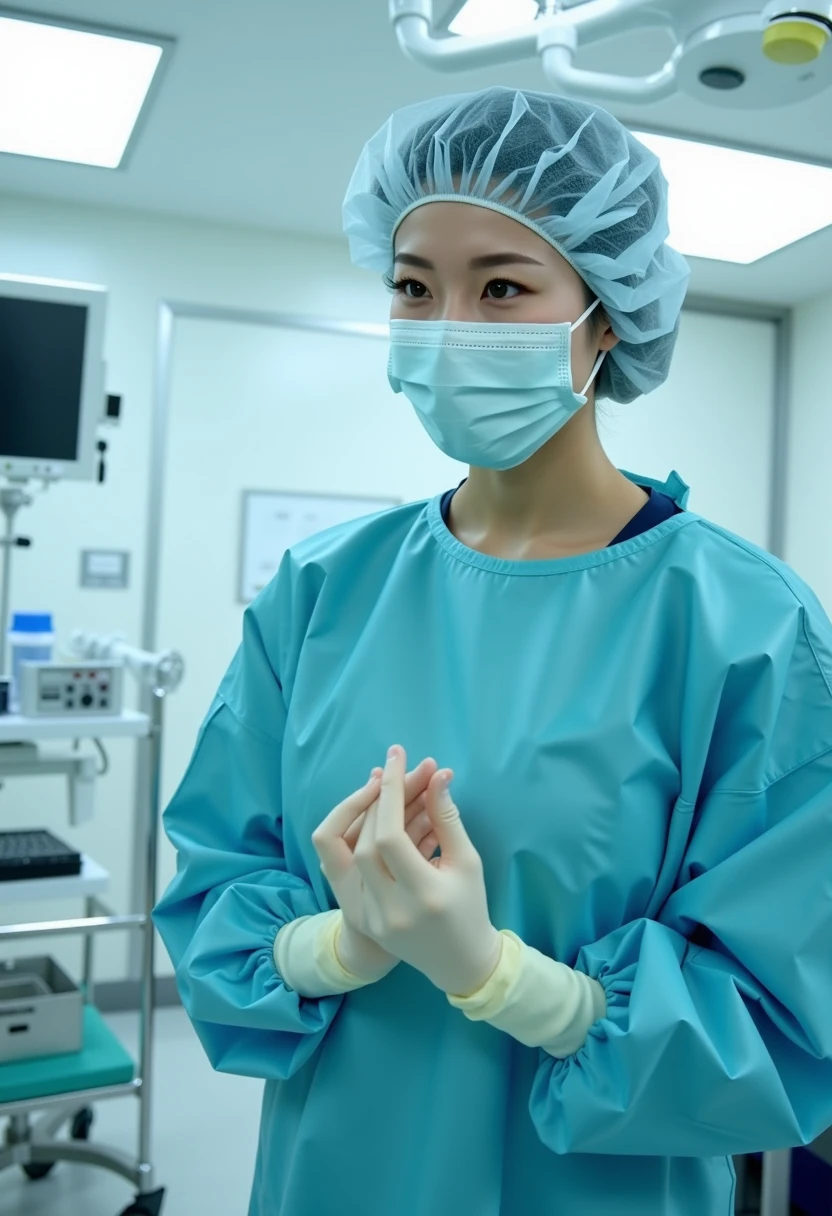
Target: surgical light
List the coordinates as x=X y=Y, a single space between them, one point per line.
x=70 y=93
x=734 y=54
x=492 y=16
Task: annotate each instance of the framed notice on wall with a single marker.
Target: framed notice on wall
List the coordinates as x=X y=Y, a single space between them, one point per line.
x=274 y=520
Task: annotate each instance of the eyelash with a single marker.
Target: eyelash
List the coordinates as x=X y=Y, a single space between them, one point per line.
x=398 y=285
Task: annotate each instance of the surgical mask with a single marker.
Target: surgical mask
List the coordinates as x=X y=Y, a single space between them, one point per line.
x=487 y=394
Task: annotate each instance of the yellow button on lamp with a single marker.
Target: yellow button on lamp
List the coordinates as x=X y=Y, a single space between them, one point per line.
x=795 y=41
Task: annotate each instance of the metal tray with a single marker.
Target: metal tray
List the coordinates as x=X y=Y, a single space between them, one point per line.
x=41 y=1010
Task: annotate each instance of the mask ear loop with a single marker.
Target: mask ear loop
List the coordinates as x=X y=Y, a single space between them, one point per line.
x=593 y=373
x=603 y=353
x=584 y=315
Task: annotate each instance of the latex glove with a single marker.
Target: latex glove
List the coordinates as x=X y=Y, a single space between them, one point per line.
x=431 y=914
x=334 y=841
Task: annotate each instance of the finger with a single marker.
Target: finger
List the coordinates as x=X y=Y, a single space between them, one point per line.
x=429 y=846
x=414 y=808
x=327 y=838
x=345 y=813
x=370 y=863
x=421 y=832
x=352 y=834
x=419 y=827
x=391 y=798
x=416 y=782
x=419 y=779
x=354 y=830
x=392 y=846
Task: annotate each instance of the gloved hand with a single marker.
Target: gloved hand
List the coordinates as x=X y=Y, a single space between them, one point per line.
x=334 y=841
x=431 y=914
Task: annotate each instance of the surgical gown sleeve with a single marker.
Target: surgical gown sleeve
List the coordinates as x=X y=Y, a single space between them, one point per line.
x=232 y=891
x=718 y=1034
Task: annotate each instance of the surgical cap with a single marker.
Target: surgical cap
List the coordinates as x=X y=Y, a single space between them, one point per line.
x=567 y=170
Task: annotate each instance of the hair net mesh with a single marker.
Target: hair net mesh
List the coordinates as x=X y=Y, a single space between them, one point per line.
x=568 y=170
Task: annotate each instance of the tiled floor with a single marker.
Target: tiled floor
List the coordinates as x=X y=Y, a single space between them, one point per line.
x=204 y=1130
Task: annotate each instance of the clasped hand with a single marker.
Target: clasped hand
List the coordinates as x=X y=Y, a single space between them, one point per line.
x=430 y=913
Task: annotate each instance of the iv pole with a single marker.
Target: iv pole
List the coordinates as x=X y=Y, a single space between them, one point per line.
x=12 y=498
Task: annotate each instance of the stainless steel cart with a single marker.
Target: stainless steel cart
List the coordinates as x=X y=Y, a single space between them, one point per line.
x=35 y=1117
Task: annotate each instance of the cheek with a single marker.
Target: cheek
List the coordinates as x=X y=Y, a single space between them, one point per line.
x=543 y=314
x=402 y=309
x=551 y=308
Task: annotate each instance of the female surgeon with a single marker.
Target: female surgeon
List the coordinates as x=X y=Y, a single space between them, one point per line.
x=603 y=968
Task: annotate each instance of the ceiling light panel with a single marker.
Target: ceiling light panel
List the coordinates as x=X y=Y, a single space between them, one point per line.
x=738 y=206
x=72 y=94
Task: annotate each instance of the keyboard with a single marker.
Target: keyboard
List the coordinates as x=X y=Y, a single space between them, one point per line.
x=35 y=854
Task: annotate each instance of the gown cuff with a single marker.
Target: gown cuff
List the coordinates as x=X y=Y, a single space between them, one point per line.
x=537 y=1000
x=306 y=960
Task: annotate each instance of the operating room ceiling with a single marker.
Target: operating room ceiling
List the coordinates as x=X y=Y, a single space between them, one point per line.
x=267 y=103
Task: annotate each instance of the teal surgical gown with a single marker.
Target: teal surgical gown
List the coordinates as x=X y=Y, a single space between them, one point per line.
x=642 y=745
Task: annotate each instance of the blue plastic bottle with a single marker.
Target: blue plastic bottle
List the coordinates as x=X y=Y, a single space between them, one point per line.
x=31 y=640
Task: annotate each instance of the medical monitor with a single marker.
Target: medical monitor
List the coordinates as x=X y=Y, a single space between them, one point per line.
x=51 y=377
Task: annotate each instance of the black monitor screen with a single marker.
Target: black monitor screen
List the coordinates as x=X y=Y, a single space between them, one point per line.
x=41 y=364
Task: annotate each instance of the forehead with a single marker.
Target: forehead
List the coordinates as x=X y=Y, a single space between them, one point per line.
x=445 y=219
x=450 y=233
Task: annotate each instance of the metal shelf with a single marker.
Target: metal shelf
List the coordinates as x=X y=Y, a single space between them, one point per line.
x=93 y=880
x=129 y=725
x=37 y=1119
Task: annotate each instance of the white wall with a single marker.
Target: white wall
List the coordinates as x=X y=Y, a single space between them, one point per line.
x=809 y=511
x=144 y=259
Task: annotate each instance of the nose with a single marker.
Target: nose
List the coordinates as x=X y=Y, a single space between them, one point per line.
x=457 y=306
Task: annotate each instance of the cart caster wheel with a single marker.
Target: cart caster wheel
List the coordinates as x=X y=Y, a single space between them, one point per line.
x=146 y=1205
x=37 y=1169
x=82 y=1124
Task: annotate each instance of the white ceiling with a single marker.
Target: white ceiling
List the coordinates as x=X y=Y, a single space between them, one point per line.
x=267 y=103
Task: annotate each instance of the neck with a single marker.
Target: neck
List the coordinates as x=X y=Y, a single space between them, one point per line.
x=569 y=488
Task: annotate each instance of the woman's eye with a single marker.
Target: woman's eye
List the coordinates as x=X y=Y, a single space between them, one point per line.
x=502 y=289
x=418 y=289
x=497 y=289
x=402 y=287
x=412 y=288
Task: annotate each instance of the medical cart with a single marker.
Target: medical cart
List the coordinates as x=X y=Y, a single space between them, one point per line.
x=40 y=1096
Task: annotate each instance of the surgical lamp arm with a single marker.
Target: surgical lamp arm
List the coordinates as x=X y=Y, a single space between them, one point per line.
x=555 y=37
x=557 y=44
x=412 y=20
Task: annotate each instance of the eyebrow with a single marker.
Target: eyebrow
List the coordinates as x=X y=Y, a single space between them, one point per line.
x=484 y=263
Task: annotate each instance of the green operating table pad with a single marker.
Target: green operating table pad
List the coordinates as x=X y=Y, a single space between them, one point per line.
x=102 y=1061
